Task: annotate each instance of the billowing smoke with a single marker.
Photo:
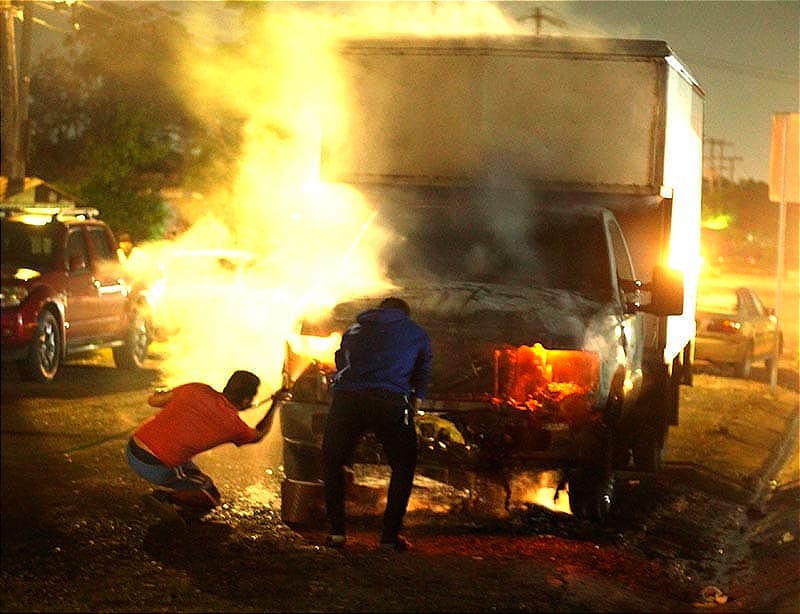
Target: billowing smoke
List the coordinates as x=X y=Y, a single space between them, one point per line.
x=315 y=242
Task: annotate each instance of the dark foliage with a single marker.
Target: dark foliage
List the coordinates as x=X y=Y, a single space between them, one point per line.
x=109 y=120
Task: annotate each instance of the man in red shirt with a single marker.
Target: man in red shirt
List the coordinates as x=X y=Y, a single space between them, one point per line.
x=193 y=418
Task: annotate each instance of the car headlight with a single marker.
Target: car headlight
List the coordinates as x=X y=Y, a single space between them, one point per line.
x=12 y=296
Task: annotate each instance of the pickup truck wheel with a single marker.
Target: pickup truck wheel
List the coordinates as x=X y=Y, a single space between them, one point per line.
x=132 y=353
x=591 y=494
x=44 y=356
x=744 y=367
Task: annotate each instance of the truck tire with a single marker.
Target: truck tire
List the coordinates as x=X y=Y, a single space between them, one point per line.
x=648 y=447
x=133 y=352
x=591 y=494
x=44 y=355
x=650 y=435
x=658 y=408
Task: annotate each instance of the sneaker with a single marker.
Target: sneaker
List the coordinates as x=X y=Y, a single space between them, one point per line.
x=335 y=541
x=398 y=544
x=194 y=499
x=159 y=502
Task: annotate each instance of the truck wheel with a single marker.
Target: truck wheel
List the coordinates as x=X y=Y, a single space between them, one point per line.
x=132 y=353
x=650 y=435
x=591 y=494
x=744 y=367
x=44 y=356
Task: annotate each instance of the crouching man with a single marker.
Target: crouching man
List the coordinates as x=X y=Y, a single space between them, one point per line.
x=193 y=418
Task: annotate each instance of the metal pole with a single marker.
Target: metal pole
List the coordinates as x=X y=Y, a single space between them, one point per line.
x=773 y=375
x=24 y=88
x=9 y=91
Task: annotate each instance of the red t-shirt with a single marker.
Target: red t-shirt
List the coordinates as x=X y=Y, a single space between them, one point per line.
x=196 y=418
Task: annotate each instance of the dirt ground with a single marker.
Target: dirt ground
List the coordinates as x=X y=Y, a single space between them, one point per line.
x=716 y=529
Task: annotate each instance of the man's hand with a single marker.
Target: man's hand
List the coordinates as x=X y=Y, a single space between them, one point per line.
x=159 y=398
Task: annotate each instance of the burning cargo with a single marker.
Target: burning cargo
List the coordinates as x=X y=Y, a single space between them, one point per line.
x=525 y=182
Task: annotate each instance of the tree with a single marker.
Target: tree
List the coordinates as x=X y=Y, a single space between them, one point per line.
x=108 y=118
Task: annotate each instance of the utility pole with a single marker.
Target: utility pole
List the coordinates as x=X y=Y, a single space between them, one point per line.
x=14 y=91
x=538 y=17
x=715 y=158
x=731 y=160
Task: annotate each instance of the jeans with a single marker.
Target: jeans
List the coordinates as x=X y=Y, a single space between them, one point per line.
x=187 y=476
x=390 y=417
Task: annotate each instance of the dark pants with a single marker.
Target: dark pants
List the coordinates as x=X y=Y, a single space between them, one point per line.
x=390 y=417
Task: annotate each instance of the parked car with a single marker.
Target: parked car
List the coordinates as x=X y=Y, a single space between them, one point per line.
x=64 y=292
x=735 y=328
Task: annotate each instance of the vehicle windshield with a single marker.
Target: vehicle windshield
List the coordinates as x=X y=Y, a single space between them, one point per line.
x=540 y=248
x=28 y=246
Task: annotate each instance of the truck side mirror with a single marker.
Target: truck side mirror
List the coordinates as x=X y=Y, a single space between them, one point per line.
x=666 y=292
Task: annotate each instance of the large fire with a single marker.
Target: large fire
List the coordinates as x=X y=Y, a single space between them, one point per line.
x=316 y=243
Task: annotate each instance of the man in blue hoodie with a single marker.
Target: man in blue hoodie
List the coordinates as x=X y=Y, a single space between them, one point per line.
x=383 y=367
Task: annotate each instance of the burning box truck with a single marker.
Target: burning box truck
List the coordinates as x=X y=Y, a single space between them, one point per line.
x=544 y=194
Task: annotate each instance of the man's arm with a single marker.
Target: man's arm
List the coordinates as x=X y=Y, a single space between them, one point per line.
x=265 y=424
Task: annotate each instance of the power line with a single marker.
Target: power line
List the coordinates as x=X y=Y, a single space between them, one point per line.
x=757 y=72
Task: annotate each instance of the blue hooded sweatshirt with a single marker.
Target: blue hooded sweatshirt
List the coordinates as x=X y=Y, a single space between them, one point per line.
x=385 y=350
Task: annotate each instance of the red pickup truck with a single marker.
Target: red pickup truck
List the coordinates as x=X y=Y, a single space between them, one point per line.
x=64 y=292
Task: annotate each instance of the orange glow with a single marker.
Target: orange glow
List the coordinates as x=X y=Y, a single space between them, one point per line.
x=305 y=349
x=321 y=348
x=26 y=274
x=534 y=378
x=540 y=489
